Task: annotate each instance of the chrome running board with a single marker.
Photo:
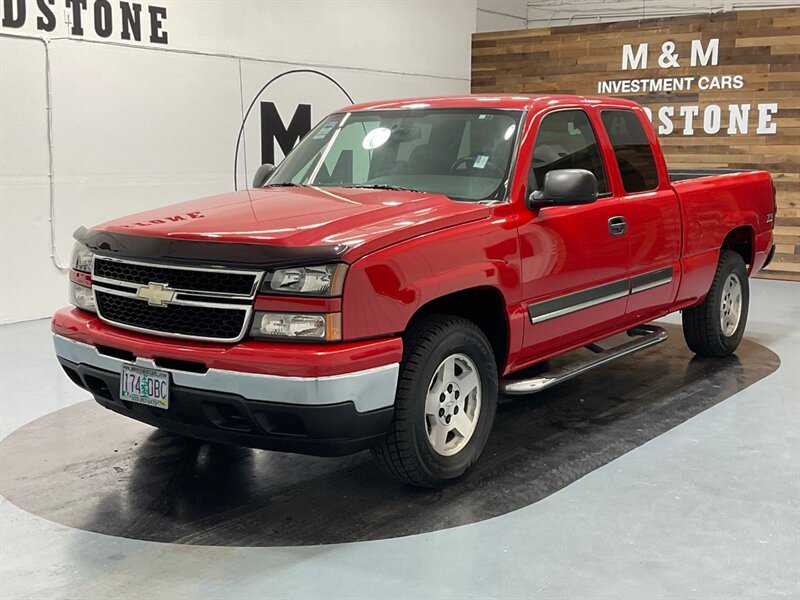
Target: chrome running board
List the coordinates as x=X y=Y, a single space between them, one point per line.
x=647 y=336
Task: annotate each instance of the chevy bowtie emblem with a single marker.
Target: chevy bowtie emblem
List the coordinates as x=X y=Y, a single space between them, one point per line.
x=156 y=294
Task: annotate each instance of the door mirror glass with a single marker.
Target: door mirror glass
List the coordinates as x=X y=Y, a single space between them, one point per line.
x=565 y=187
x=262 y=174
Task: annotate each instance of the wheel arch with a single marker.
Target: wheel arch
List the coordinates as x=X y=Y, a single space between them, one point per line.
x=742 y=241
x=485 y=306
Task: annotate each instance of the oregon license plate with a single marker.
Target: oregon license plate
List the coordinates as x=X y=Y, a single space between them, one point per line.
x=144 y=386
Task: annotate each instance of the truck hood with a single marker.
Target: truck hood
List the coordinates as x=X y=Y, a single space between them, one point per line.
x=358 y=221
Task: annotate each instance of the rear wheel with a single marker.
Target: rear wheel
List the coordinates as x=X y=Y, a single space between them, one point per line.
x=716 y=327
x=445 y=403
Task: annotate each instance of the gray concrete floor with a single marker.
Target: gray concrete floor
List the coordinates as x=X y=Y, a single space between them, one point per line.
x=710 y=509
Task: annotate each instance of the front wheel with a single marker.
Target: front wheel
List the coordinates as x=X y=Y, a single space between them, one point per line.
x=445 y=403
x=716 y=326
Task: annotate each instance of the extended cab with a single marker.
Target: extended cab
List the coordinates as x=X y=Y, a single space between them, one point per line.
x=402 y=267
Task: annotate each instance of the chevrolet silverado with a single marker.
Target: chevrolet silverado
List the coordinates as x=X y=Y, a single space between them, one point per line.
x=404 y=265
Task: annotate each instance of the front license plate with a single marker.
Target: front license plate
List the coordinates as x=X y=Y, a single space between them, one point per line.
x=144 y=386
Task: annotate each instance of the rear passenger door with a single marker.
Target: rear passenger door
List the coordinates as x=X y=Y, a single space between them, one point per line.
x=650 y=209
x=574 y=270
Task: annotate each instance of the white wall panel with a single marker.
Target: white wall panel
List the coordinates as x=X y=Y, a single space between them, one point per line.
x=137 y=125
x=412 y=36
x=146 y=129
x=399 y=35
x=28 y=280
x=515 y=8
x=501 y=15
x=489 y=21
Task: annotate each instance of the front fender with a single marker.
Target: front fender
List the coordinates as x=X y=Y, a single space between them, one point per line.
x=385 y=289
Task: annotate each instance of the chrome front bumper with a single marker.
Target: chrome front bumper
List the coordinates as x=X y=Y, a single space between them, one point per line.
x=368 y=390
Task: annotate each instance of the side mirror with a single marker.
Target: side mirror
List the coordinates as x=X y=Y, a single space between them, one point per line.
x=565 y=187
x=262 y=174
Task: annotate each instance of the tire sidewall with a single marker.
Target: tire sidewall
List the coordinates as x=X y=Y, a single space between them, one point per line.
x=732 y=263
x=456 y=340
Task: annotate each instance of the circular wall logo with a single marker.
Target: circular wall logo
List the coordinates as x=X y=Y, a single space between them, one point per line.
x=282 y=111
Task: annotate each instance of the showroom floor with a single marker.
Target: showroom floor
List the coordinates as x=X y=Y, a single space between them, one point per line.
x=680 y=480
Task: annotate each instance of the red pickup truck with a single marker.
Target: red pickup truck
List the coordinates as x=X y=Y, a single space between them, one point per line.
x=406 y=263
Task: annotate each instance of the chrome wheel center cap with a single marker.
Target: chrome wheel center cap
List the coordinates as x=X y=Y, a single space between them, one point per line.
x=451 y=402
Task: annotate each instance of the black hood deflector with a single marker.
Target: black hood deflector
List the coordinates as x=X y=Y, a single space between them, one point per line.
x=198 y=252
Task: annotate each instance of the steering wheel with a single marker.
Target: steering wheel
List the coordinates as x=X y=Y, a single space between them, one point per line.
x=469 y=161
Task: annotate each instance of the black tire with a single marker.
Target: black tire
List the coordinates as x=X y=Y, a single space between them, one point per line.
x=702 y=324
x=406 y=453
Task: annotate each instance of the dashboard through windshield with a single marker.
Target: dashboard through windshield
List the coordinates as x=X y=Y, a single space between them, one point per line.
x=464 y=154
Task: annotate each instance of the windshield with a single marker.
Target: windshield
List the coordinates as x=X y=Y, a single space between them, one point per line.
x=462 y=153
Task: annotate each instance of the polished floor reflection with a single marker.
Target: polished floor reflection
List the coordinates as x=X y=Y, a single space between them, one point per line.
x=88 y=468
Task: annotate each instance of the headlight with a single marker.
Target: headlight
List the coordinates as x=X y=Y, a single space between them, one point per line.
x=309 y=326
x=82 y=297
x=80 y=290
x=81 y=258
x=325 y=280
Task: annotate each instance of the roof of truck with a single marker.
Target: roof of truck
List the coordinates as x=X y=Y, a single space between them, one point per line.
x=496 y=101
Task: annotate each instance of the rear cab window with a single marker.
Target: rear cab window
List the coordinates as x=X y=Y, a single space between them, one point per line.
x=632 y=150
x=565 y=140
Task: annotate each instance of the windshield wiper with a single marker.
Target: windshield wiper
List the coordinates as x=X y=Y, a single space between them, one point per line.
x=287 y=184
x=382 y=186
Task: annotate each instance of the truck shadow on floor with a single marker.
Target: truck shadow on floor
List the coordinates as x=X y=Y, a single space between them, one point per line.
x=89 y=468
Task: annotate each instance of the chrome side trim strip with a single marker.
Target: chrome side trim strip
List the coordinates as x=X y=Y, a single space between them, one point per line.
x=368 y=390
x=607 y=292
x=651 y=279
x=650 y=286
x=564 y=305
x=577 y=307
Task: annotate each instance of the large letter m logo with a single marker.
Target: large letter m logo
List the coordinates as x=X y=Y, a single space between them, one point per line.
x=272 y=129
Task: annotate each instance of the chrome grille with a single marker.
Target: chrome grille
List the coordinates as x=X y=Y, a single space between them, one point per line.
x=184 y=320
x=214 y=281
x=211 y=304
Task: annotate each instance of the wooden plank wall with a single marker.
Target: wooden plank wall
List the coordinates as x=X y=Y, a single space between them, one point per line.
x=762 y=46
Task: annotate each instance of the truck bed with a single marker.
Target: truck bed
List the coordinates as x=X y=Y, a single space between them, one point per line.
x=714 y=202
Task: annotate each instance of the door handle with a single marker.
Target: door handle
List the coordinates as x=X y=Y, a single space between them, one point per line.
x=617 y=226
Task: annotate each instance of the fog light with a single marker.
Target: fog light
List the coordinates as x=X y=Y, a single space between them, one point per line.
x=293 y=325
x=82 y=297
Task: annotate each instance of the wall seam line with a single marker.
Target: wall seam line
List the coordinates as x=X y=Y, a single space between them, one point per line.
x=231 y=56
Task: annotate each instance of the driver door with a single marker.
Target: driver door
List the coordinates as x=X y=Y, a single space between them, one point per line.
x=574 y=260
